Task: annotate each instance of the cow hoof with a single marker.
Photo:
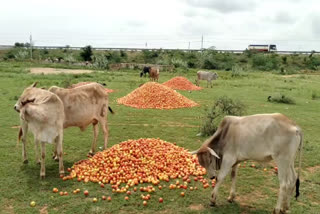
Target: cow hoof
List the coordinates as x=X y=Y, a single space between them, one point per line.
x=25 y=161
x=212 y=204
x=38 y=162
x=276 y=211
x=42 y=177
x=230 y=199
x=91 y=154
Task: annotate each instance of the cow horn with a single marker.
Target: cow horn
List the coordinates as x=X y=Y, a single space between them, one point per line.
x=194 y=152
x=34 y=84
x=213 y=152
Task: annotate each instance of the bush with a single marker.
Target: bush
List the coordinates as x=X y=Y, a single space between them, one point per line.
x=237 y=71
x=179 y=63
x=86 y=53
x=223 y=106
x=281 y=98
x=266 y=63
x=100 y=61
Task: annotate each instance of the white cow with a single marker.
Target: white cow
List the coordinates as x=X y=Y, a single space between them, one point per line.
x=42 y=112
x=260 y=137
x=206 y=75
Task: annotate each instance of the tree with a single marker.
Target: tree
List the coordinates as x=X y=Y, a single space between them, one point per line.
x=86 y=53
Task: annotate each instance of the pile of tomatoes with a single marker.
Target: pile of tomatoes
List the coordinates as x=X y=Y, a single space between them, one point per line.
x=181 y=83
x=157 y=96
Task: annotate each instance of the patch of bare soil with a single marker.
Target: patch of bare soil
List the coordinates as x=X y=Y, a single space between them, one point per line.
x=44 y=210
x=58 y=71
x=314 y=169
x=196 y=207
x=246 y=199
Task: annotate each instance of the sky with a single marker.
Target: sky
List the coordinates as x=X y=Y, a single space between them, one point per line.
x=225 y=24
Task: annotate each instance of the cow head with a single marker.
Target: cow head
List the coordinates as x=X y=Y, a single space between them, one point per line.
x=209 y=160
x=26 y=97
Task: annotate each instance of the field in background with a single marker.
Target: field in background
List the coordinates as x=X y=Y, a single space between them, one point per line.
x=256 y=190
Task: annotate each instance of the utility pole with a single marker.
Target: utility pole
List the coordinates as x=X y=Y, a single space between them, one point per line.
x=31 y=46
x=146 y=44
x=189 y=46
x=201 y=42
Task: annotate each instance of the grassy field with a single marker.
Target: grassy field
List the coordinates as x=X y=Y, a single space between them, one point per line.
x=256 y=190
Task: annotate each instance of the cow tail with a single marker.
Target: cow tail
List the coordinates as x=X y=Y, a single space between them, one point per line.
x=110 y=109
x=299 y=169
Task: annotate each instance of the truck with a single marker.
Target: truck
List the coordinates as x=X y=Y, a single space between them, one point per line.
x=263 y=48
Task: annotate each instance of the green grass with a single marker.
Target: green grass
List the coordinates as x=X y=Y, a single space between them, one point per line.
x=256 y=190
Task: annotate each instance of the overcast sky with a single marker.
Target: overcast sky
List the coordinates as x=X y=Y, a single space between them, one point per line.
x=225 y=24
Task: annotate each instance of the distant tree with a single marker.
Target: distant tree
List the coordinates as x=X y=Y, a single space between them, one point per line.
x=86 y=53
x=18 y=45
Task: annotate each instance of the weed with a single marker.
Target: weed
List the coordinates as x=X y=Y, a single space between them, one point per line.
x=281 y=98
x=223 y=106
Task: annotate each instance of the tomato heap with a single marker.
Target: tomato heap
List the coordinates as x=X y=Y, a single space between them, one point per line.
x=137 y=161
x=181 y=83
x=155 y=95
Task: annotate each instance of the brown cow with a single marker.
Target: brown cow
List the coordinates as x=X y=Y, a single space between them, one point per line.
x=42 y=112
x=154 y=74
x=85 y=105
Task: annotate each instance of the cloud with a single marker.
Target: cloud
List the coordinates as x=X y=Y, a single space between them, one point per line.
x=315 y=25
x=223 y=6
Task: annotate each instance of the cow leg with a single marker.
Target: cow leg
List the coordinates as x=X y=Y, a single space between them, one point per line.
x=226 y=165
x=59 y=141
x=105 y=130
x=233 y=185
x=283 y=171
x=211 y=83
x=24 y=127
x=95 y=137
x=55 y=156
x=36 y=149
x=43 y=156
x=292 y=176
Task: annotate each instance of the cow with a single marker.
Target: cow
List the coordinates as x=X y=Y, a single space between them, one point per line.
x=260 y=137
x=145 y=70
x=84 y=83
x=43 y=113
x=206 y=75
x=154 y=74
x=85 y=105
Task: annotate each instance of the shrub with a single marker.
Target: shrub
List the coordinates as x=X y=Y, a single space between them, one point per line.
x=222 y=106
x=179 y=63
x=315 y=95
x=237 y=71
x=86 y=53
x=281 y=98
x=266 y=63
x=100 y=61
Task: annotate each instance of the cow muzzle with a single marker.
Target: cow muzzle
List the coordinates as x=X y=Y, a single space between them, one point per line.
x=16 y=108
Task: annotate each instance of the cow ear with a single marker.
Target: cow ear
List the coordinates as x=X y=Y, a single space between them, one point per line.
x=34 y=84
x=213 y=152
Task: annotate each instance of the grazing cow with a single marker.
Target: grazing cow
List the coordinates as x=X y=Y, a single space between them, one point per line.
x=83 y=83
x=85 y=105
x=145 y=71
x=154 y=74
x=206 y=75
x=42 y=112
x=260 y=137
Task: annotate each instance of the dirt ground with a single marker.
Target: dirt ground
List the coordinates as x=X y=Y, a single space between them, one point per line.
x=57 y=71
